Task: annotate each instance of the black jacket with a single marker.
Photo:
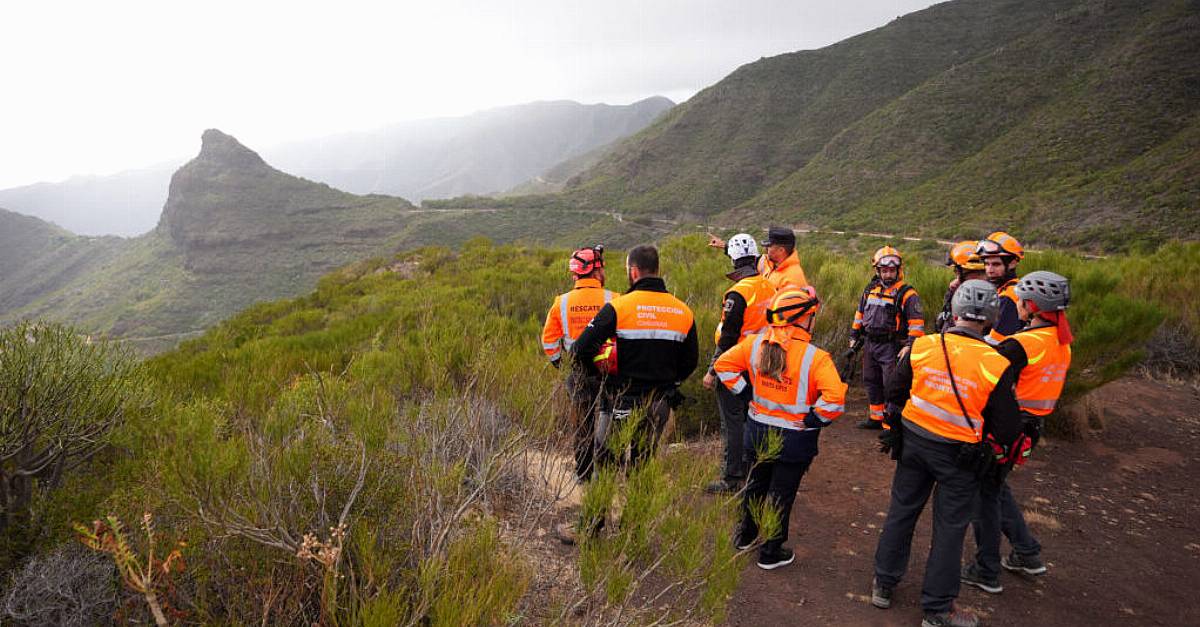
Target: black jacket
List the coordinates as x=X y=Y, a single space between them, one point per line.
x=644 y=365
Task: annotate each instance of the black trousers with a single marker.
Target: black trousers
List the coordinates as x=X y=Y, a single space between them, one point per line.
x=927 y=467
x=733 y=421
x=775 y=479
x=998 y=514
x=583 y=393
x=654 y=410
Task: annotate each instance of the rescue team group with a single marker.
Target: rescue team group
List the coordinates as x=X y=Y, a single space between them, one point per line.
x=957 y=409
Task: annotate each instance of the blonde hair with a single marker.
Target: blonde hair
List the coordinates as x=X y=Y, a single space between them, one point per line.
x=772 y=360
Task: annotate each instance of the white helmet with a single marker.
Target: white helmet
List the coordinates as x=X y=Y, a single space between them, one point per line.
x=741 y=245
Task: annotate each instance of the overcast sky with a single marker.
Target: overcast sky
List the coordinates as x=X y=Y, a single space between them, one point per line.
x=93 y=87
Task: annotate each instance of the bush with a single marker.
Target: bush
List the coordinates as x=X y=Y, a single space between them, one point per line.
x=61 y=398
x=69 y=586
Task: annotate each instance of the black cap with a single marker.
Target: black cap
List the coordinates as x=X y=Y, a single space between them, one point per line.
x=781 y=236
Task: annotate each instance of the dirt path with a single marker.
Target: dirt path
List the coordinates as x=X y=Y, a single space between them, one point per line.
x=1118 y=516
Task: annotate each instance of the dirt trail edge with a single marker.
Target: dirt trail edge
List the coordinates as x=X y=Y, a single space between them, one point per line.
x=1118 y=516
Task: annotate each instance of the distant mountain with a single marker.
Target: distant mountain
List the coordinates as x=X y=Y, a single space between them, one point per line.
x=485 y=152
x=234 y=231
x=127 y=203
x=1066 y=121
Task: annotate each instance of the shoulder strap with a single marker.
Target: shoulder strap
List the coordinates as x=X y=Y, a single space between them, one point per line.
x=953 y=385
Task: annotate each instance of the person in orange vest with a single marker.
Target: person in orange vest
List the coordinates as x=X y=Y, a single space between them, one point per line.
x=1041 y=354
x=888 y=320
x=967 y=265
x=780 y=265
x=569 y=315
x=743 y=313
x=794 y=391
x=956 y=391
x=1001 y=253
x=657 y=349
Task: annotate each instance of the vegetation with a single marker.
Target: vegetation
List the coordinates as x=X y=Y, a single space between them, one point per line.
x=61 y=400
x=388 y=450
x=1069 y=121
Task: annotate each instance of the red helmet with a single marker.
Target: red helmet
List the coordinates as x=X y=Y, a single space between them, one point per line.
x=606 y=359
x=584 y=260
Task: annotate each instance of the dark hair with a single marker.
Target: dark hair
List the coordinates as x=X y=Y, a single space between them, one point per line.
x=644 y=258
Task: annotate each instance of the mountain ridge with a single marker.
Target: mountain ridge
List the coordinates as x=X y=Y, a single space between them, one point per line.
x=520 y=143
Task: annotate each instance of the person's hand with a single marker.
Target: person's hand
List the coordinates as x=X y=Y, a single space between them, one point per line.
x=851 y=344
x=710 y=380
x=716 y=242
x=903 y=352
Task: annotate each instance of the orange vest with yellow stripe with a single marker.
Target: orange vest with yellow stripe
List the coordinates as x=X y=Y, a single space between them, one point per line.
x=1041 y=381
x=570 y=315
x=785 y=402
x=1009 y=291
x=757 y=292
x=932 y=405
x=648 y=315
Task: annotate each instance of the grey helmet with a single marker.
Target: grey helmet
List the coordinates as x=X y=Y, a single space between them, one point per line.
x=1047 y=290
x=976 y=300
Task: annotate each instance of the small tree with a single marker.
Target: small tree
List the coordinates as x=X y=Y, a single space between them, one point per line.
x=61 y=396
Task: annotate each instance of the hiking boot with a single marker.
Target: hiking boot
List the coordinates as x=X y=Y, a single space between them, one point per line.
x=881 y=595
x=721 y=486
x=972 y=577
x=1028 y=564
x=775 y=559
x=867 y=423
x=953 y=618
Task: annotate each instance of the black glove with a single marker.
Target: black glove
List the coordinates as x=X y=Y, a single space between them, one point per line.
x=557 y=363
x=813 y=421
x=891 y=441
x=1033 y=429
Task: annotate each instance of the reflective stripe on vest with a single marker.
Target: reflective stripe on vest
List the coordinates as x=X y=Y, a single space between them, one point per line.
x=646 y=315
x=757 y=292
x=932 y=404
x=760 y=405
x=1042 y=379
x=567 y=340
x=738 y=385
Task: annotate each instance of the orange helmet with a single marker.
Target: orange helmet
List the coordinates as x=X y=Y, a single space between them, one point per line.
x=887 y=256
x=792 y=306
x=1000 y=244
x=963 y=255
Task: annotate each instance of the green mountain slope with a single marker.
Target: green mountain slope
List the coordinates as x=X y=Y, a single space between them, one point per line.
x=236 y=231
x=1067 y=121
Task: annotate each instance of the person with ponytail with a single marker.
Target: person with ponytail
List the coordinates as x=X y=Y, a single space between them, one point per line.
x=1041 y=354
x=794 y=391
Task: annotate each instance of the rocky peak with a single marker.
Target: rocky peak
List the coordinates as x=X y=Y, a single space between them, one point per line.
x=217 y=148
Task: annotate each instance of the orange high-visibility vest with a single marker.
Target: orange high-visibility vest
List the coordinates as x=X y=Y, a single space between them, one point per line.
x=647 y=315
x=1041 y=381
x=810 y=381
x=1009 y=291
x=932 y=406
x=758 y=293
x=570 y=315
x=788 y=272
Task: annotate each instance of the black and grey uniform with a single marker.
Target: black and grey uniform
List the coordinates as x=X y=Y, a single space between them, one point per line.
x=888 y=318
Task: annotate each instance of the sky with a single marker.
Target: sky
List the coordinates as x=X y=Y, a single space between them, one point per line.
x=98 y=87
